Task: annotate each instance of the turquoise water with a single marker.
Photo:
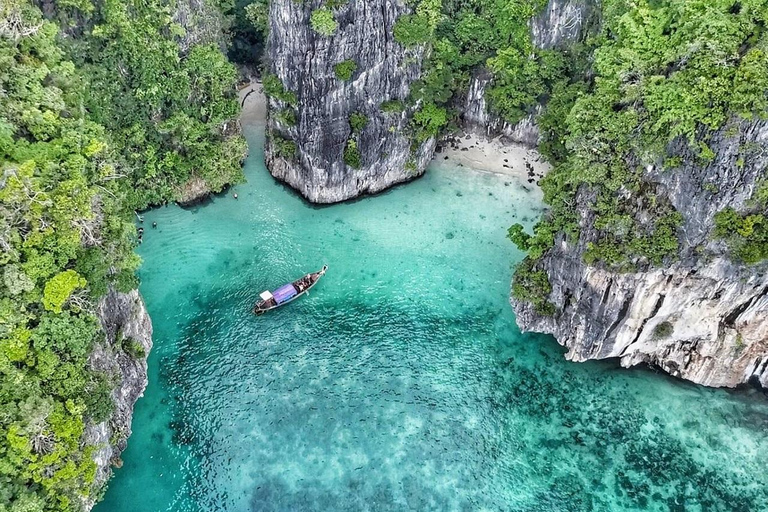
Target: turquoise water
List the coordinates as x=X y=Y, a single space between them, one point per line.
x=401 y=383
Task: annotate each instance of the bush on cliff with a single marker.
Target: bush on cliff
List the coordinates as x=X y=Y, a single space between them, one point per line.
x=428 y=121
x=392 y=107
x=283 y=147
x=322 y=21
x=274 y=88
x=286 y=116
x=357 y=121
x=745 y=233
x=660 y=71
x=352 y=156
x=345 y=69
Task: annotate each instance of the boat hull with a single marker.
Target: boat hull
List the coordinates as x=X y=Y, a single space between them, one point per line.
x=302 y=286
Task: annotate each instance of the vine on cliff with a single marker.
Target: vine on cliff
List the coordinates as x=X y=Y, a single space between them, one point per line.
x=746 y=233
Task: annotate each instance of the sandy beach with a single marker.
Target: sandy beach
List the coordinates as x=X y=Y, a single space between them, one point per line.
x=253 y=104
x=473 y=152
x=492 y=155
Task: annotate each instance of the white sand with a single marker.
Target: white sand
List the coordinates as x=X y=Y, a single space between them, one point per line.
x=492 y=155
x=475 y=153
x=254 y=105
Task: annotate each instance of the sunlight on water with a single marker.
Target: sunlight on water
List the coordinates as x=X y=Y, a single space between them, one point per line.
x=401 y=382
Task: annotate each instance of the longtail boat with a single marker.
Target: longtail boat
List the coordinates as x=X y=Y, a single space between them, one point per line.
x=288 y=292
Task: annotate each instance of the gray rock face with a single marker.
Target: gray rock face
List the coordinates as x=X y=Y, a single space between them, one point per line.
x=703 y=319
x=479 y=119
x=202 y=23
x=304 y=61
x=561 y=23
x=124 y=320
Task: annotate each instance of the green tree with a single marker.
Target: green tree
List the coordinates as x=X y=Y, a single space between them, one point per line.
x=428 y=121
x=59 y=288
x=257 y=14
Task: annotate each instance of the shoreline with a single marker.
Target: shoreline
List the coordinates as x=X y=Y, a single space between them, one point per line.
x=469 y=151
x=253 y=104
x=481 y=154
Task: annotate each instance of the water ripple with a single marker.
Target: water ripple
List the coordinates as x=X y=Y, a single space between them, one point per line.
x=401 y=383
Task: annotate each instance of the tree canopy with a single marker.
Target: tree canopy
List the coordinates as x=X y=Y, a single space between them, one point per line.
x=113 y=117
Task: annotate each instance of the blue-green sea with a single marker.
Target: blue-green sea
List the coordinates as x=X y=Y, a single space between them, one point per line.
x=401 y=383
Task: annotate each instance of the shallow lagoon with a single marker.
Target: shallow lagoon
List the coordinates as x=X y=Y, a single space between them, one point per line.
x=401 y=382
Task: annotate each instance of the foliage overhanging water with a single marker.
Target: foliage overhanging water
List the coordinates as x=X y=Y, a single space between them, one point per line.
x=402 y=382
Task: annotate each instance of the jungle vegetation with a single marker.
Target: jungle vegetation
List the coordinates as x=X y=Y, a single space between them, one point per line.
x=104 y=108
x=648 y=73
x=659 y=71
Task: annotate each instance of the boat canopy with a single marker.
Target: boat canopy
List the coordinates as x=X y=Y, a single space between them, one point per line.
x=285 y=292
x=265 y=295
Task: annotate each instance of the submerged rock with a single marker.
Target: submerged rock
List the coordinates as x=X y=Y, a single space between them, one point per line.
x=304 y=61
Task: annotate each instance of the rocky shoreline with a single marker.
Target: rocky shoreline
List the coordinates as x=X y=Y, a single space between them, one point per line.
x=123 y=354
x=702 y=318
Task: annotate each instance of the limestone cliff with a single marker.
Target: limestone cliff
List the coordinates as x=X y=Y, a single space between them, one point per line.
x=304 y=61
x=202 y=22
x=705 y=318
x=560 y=24
x=123 y=354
